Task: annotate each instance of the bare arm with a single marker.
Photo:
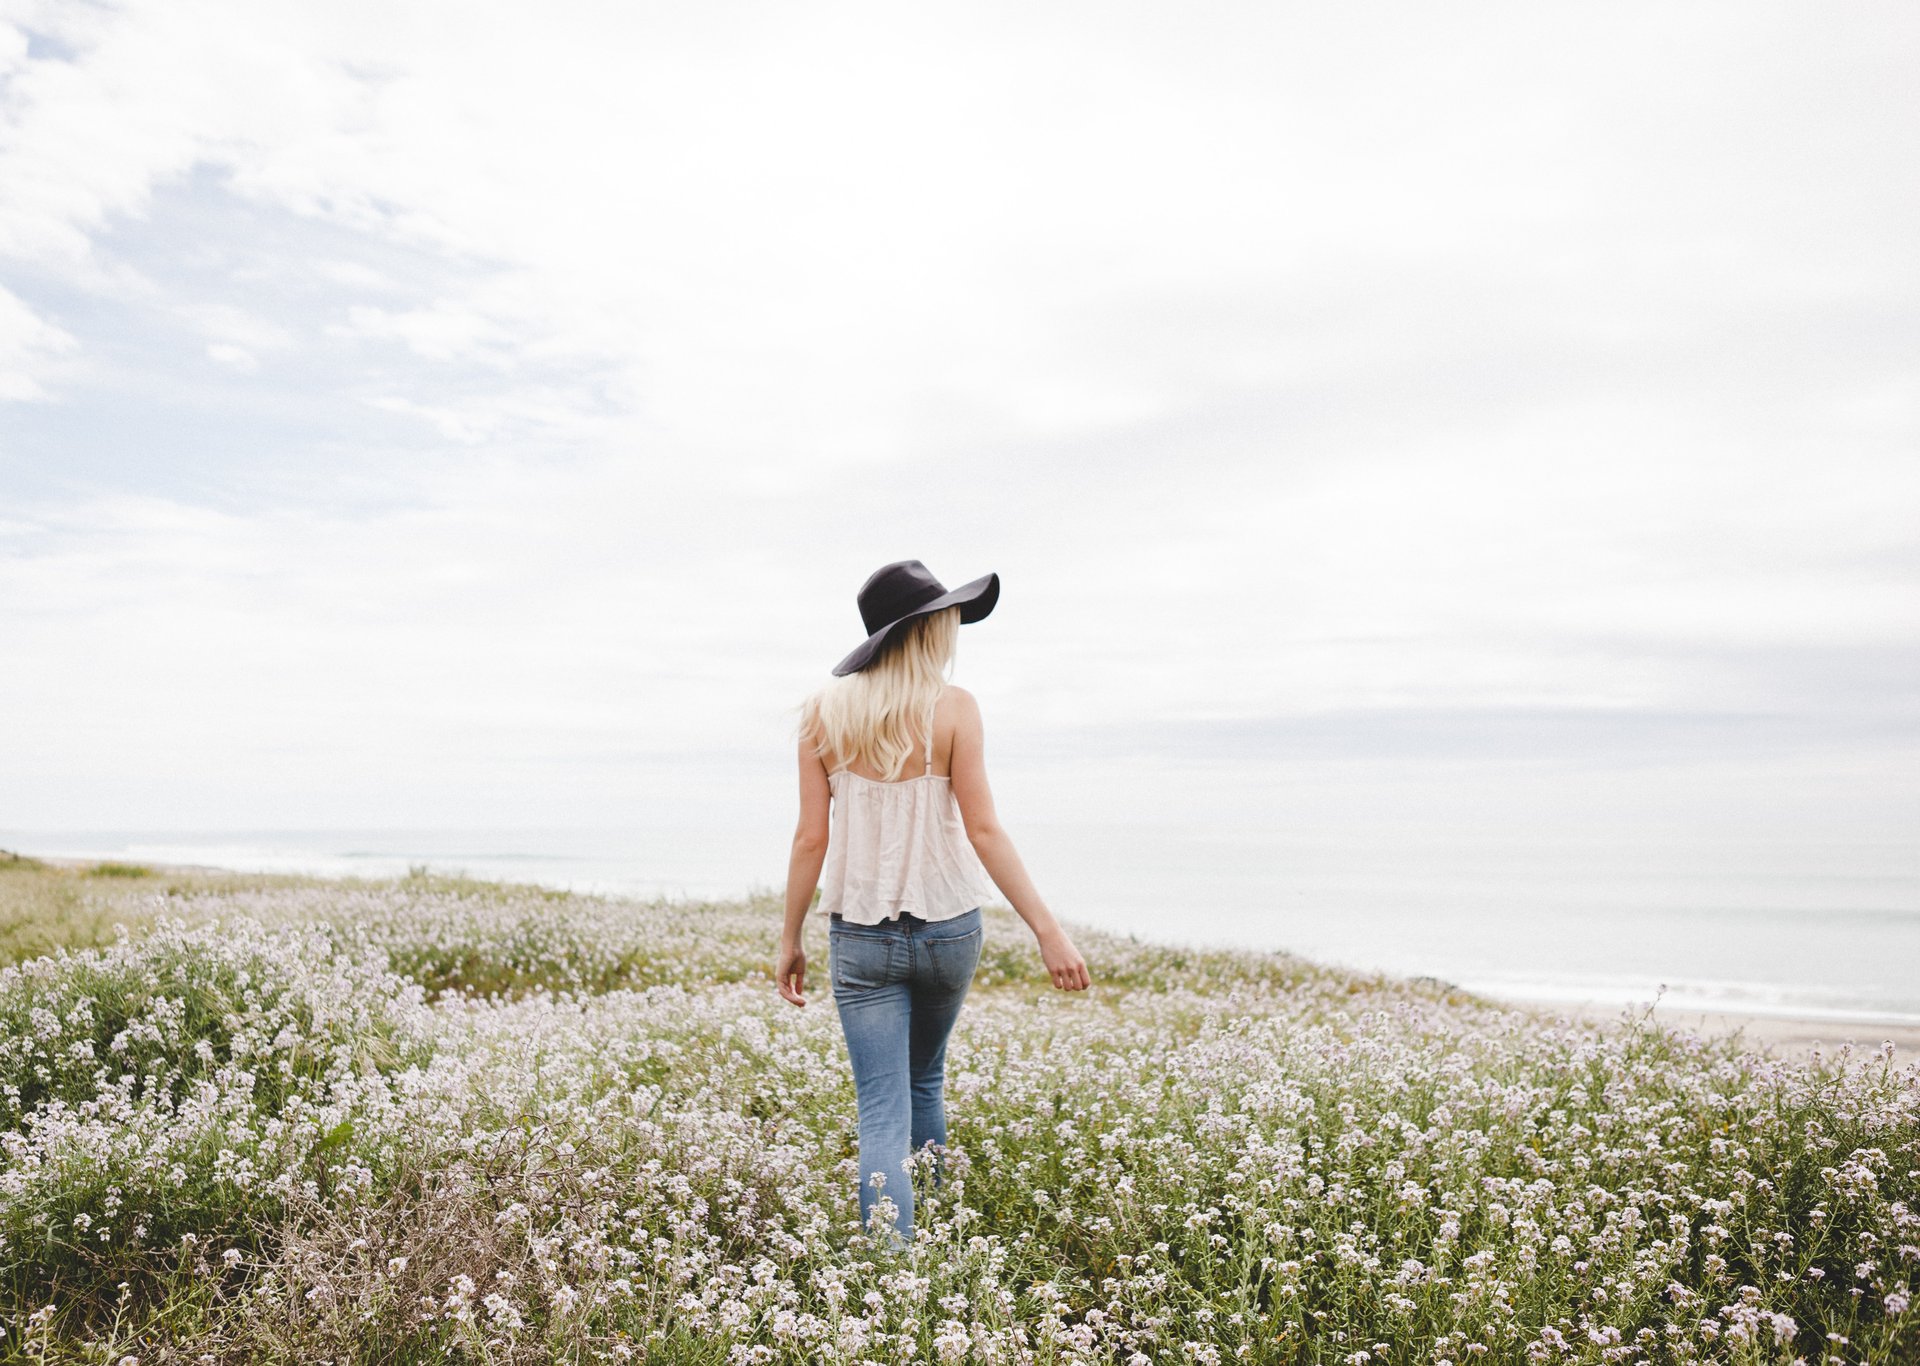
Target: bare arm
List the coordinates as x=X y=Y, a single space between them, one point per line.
x=997 y=854
x=803 y=874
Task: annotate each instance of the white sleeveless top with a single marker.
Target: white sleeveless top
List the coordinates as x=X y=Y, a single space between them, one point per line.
x=899 y=846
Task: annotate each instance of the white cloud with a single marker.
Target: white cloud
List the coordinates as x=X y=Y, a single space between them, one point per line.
x=27 y=344
x=225 y=323
x=234 y=357
x=13 y=48
x=1282 y=361
x=354 y=275
x=439 y=333
x=698 y=207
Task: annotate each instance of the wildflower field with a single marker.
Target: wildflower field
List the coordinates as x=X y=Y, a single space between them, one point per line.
x=427 y=1120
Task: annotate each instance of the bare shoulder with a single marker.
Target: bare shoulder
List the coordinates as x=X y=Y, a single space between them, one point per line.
x=959 y=702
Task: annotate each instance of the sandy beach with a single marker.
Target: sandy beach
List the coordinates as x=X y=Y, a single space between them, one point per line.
x=1783 y=1035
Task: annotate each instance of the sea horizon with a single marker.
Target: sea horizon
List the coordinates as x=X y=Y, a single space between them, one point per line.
x=1815 y=931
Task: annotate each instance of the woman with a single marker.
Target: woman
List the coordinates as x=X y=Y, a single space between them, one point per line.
x=906 y=864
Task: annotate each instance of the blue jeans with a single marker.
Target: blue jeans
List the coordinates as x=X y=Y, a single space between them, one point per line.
x=898 y=986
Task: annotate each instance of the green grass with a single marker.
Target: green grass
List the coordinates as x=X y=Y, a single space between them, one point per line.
x=119 y=870
x=1213 y=1155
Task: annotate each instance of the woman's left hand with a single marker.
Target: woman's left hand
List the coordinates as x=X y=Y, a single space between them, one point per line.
x=790 y=971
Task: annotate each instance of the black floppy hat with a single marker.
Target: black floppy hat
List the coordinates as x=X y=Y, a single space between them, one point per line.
x=895 y=594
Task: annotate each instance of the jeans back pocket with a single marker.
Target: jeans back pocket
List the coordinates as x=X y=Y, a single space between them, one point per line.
x=861 y=962
x=953 y=958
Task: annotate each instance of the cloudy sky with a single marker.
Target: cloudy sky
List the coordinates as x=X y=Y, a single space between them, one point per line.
x=451 y=414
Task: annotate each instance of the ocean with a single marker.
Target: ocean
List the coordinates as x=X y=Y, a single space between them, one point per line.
x=1821 y=928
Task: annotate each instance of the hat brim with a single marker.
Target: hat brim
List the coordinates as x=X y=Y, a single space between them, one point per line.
x=975 y=600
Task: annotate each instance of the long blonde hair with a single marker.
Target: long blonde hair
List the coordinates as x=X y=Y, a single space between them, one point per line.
x=880 y=714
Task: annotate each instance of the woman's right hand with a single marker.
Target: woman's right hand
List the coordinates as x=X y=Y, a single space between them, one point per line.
x=1064 y=964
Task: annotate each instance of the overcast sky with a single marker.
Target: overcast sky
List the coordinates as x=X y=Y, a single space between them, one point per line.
x=437 y=413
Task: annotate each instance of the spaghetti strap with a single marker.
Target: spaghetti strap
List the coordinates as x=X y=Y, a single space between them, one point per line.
x=929 y=769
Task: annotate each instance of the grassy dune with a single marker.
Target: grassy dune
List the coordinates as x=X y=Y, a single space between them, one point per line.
x=275 y=1119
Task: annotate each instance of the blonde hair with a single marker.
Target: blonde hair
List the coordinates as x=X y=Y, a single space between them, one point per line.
x=880 y=714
